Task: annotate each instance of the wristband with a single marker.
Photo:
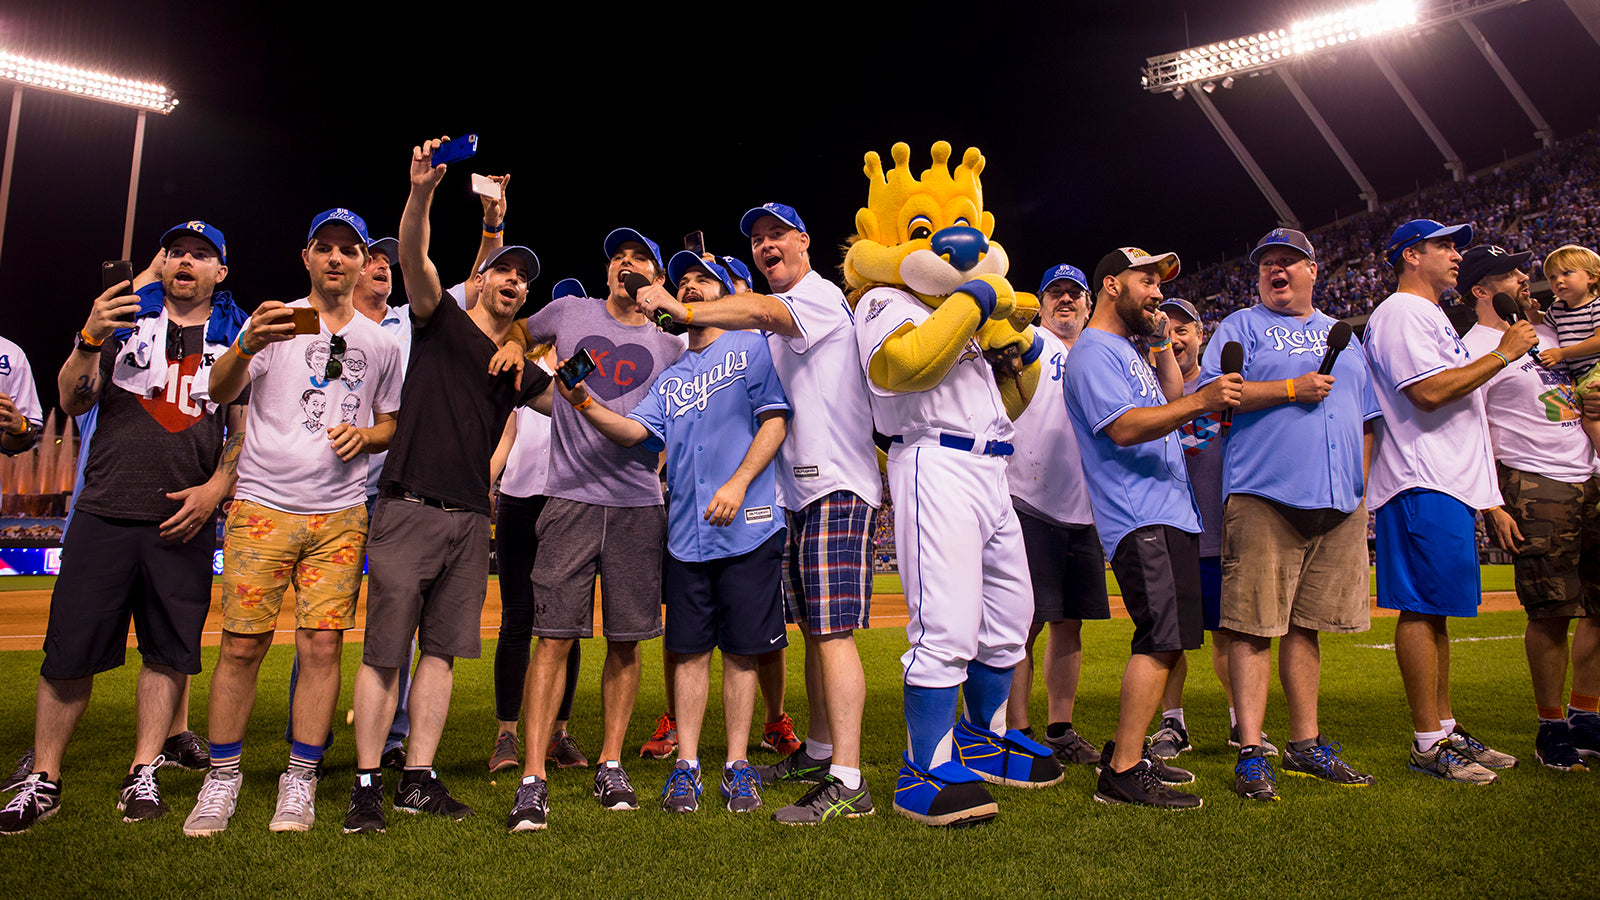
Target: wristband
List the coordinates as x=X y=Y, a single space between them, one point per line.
x=1289 y=383
x=1033 y=352
x=493 y=230
x=1500 y=356
x=1165 y=344
x=580 y=407
x=238 y=347
x=85 y=341
x=688 y=313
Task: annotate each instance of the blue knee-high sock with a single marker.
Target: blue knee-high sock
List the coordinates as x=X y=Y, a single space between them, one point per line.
x=986 y=690
x=930 y=717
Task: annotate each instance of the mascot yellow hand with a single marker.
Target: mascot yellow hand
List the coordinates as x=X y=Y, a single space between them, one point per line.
x=1012 y=348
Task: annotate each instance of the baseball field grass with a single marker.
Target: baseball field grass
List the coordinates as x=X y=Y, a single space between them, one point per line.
x=1533 y=834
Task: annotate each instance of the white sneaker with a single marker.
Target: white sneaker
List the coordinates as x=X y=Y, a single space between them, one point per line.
x=214 y=807
x=297 y=802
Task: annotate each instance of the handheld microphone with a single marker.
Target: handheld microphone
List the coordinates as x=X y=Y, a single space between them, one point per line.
x=1506 y=308
x=1338 y=339
x=1232 y=364
x=633 y=282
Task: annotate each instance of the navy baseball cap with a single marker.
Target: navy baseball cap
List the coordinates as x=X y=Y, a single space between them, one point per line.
x=342 y=215
x=1063 y=272
x=568 y=287
x=1182 y=306
x=1485 y=260
x=211 y=234
x=389 y=247
x=622 y=235
x=782 y=213
x=526 y=256
x=1283 y=237
x=684 y=260
x=736 y=268
x=1418 y=230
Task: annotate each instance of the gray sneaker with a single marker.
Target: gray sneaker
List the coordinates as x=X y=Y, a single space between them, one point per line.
x=214 y=807
x=297 y=802
x=1072 y=748
x=1267 y=747
x=741 y=787
x=1442 y=760
x=20 y=774
x=682 y=791
x=1169 y=740
x=1474 y=749
x=828 y=800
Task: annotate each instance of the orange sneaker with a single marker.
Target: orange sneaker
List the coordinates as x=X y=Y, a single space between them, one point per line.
x=664 y=741
x=779 y=736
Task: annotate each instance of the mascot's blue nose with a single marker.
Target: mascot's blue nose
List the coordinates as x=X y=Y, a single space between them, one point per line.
x=962 y=246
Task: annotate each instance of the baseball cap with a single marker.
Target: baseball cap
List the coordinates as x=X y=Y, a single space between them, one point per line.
x=389 y=247
x=1181 y=305
x=339 y=214
x=568 y=287
x=1124 y=258
x=211 y=234
x=735 y=267
x=622 y=235
x=1418 y=230
x=1283 y=237
x=684 y=260
x=784 y=214
x=1063 y=271
x=1484 y=260
x=526 y=256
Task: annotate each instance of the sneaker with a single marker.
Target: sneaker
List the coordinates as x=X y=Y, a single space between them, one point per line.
x=393 y=759
x=1266 y=746
x=612 y=786
x=564 y=752
x=1322 y=761
x=950 y=795
x=1167 y=774
x=1553 y=747
x=36 y=800
x=779 y=736
x=530 y=811
x=830 y=799
x=664 y=740
x=1170 y=739
x=1474 y=749
x=742 y=787
x=140 y=799
x=507 y=752
x=428 y=794
x=682 y=791
x=1252 y=776
x=1013 y=760
x=1072 y=748
x=1585 y=728
x=1442 y=760
x=187 y=750
x=219 y=792
x=365 y=815
x=797 y=766
x=20 y=773
x=1140 y=786
x=297 y=802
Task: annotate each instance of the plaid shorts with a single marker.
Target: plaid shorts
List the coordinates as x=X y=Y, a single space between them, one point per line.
x=827 y=572
x=265 y=549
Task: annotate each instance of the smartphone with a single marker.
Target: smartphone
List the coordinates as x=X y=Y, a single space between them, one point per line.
x=306 y=320
x=464 y=147
x=484 y=186
x=112 y=273
x=575 y=369
x=695 y=242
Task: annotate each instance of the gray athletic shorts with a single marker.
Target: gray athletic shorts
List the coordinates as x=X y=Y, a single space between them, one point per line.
x=428 y=570
x=622 y=545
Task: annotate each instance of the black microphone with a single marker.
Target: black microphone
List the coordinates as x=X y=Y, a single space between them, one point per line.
x=1507 y=309
x=1338 y=339
x=633 y=282
x=1232 y=364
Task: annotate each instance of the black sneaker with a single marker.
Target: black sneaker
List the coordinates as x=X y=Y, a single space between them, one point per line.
x=393 y=759
x=1139 y=786
x=1073 y=748
x=187 y=750
x=531 y=808
x=20 y=773
x=612 y=787
x=427 y=794
x=1167 y=774
x=1553 y=748
x=1252 y=776
x=1322 y=761
x=366 y=806
x=797 y=766
x=1170 y=739
x=1585 y=729
x=140 y=799
x=36 y=800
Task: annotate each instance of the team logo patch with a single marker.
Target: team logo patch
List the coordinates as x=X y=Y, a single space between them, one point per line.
x=758 y=514
x=806 y=472
x=617 y=370
x=5 y=364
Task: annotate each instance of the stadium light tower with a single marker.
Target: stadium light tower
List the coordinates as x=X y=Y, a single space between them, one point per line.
x=146 y=97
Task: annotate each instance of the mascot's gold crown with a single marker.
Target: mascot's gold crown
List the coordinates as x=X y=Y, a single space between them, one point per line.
x=887 y=192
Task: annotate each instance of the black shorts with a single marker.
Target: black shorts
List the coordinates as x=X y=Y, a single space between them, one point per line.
x=1068 y=569
x=1158 y=567
x=733 y=604
x=114 y=570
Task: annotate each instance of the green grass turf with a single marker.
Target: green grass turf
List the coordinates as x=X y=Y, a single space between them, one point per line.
x=1495 y=578
x=1528 y=836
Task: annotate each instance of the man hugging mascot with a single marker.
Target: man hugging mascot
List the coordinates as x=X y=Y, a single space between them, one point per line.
x=950 y=358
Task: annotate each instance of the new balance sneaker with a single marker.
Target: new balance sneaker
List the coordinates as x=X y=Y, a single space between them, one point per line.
x=297 y=802
x=830 y=799
x=681 y=794
x=394 y=757
x=1585 y=728
x=612 y=787
x=20 y=773
x=1553 y=747
x=187 y=750
x=530 y=811
x=1014 y=759
x=1443 y=760
x=664 y=740
x=1322 y=761
x=219 y=793
x=140 y=799
x=506 y=754
x=779 y=736
x=365 y=815
x=1072 y=748
x=1140 y=786
x=564 y=752
x=1266 y=746
x=1474 y=749
x=1168 y=774
x=797 y=766
x=949 y=795
x=425 y=793
x=1170 y=739
x=35 y=801
x=1252 y=776
x=741 y=787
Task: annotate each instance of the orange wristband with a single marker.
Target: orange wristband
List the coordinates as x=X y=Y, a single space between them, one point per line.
x=584 y=405
x=688 y=314
x=1289 y=383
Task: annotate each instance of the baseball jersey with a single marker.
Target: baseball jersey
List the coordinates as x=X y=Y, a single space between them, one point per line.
x=1447 y=450
x=1045 y=475
x=528 y=464
x=1129 y=487
x=397 y=322
x=16 y=382
x=703 y=411
x=1533 y=413
x=1307 y=456
x=829 y=447
x=1203 y=443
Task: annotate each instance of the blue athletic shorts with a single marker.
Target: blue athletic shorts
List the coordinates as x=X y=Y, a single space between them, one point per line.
x=1211 y=592
x=1428 y=555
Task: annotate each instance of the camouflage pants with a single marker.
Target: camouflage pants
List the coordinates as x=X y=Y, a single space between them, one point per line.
x=1558 y=566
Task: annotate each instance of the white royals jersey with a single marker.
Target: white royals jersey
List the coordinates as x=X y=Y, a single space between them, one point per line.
x=1046 y=473
x=966 y=403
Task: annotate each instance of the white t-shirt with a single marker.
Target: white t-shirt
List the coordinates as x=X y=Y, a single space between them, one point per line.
x=1046 y=472
x=1409 y=339
x=16 y=381
x=528 y=465
x=829 y=447
x=287 y=462
x=1534 y=417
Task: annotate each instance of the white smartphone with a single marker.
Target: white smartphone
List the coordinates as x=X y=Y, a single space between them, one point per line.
x=482 y=184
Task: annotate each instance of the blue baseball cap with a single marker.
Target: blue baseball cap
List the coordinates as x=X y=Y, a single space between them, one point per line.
x=684 y=260
x=568 y=287
x=389 y=247
x=1283 y=237
x=529 y=261
x=1418 y=230
x=211 y=234
x=736 y=268
x=1063 y=271
x=782 y=213
x=622 y=235
x=342 y=215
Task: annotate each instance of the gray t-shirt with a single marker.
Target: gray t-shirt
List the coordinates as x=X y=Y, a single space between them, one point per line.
x=1202 y=455
x=584 y=464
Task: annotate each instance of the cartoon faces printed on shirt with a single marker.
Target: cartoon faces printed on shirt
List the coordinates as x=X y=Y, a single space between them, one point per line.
x=336 y=372
x=314 y=403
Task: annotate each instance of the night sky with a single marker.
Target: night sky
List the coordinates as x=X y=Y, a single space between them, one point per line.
x=669 y=122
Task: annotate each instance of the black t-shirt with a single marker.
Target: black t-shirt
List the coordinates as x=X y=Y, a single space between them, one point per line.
x=452 y=411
